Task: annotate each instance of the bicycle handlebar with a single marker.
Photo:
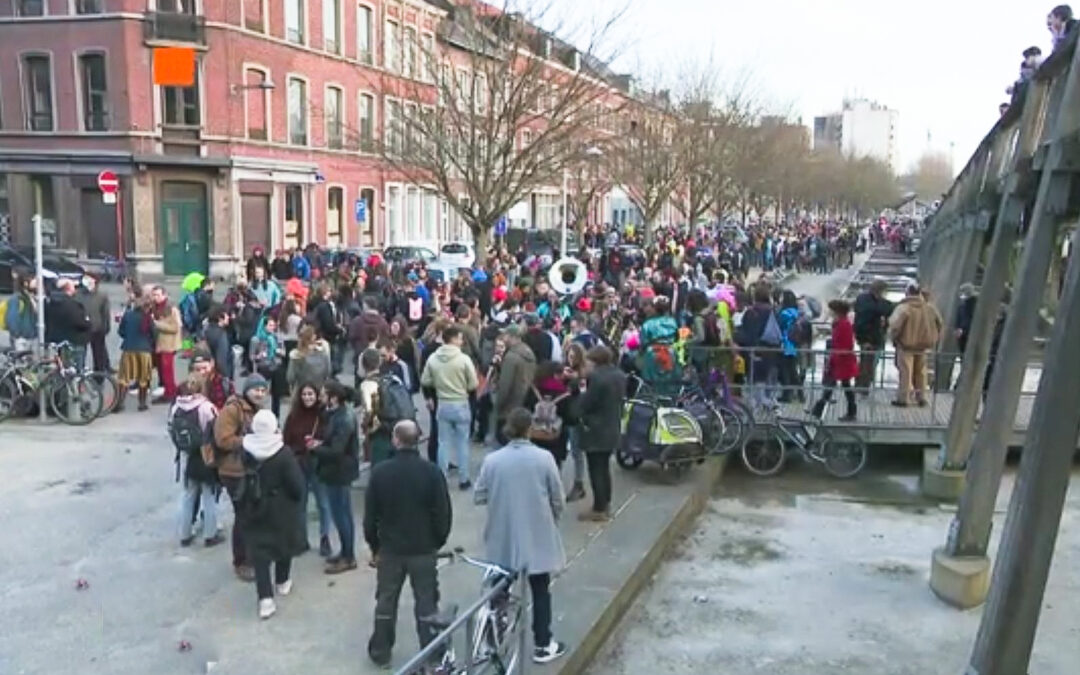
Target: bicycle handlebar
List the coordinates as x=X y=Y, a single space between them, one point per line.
x=458 y=553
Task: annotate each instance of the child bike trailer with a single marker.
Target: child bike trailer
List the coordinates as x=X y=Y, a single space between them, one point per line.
x=668 y=436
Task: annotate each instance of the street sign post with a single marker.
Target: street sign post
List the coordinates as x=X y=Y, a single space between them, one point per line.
x=361 y=211
x=109 y=185
x=500 y=227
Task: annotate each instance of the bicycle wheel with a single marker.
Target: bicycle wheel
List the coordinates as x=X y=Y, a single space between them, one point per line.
x=735 y=430
x=712 y=425
x=110 y=391
x=9 y=397
x=74 y=399
x=764 y=456
x=841 y=451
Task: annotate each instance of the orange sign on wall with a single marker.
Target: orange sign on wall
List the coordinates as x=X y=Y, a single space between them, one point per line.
x=174 y=66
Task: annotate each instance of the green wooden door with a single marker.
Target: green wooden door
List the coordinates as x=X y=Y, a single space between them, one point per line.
x=184 y=228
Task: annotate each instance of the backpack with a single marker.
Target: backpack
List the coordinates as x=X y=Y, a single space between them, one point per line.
x=770 y=334
x=546 y=423
x=395 y=402
x=4 y=305
x=190 y=438
x=801 y=332
x=416 y=308
x=250 y=498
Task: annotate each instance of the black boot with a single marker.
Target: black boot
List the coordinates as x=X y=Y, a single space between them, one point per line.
x=144 y=394
x=819 y=409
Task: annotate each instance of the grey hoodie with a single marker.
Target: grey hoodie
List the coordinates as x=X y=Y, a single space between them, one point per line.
x=311 y=368
x=451 y=373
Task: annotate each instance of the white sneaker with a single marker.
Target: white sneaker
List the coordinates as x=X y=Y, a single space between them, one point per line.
x=284 y=588
x=549 y=653
x=267 y=608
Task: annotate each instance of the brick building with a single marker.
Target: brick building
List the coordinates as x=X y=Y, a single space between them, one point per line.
x=273 y=146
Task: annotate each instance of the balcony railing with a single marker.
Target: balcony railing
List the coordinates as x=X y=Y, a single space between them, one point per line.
x=175 y=27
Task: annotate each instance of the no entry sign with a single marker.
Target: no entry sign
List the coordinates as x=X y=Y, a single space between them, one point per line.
x=107 y=182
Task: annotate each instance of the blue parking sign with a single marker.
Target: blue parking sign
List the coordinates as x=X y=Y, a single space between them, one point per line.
x=361 y=211
x=500 y=227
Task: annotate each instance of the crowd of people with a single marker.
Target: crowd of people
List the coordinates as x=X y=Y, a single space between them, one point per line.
x=1061 y=23
x=304 y=373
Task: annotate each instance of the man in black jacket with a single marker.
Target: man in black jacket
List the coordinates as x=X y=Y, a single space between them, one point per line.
x=872 y=313
x=66 y=321
x=407 y=517
x=217 y=340
x=599 y=409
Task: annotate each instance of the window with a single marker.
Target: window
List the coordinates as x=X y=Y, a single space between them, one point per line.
x=177 y=6
x=367 y=122
x=256 y=103
x=44 y=202
x=335 y=208
x=367 y=228
x=253 y=15
x=364 y=37
x=392 y=55
x=410 y=123
x=461 y=90
x=30 y=7
x=335 y=101
x=480 y=86
x=95 y=97
x=294 y=21
x=445 y=82
x=412 y=214
x=427 y=57
x=393 y=125
x=88 y=7
x=393 y=213
x=180 y=105
x=410 y=51
x=429 y=216
x=294 y=215
x=331 y=14
x=298 y=118
x=37 y=83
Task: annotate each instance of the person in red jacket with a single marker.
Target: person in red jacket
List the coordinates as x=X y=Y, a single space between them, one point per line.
x=841 y=365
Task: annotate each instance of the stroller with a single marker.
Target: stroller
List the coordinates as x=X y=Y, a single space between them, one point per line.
x=654 y=430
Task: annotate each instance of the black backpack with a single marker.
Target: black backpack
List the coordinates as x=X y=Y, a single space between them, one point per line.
x=395 y=402
x=188 y=438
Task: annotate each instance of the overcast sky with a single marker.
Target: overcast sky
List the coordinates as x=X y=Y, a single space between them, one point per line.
x=943 y=64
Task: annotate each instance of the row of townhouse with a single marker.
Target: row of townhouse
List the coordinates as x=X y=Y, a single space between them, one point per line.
x=274 y=146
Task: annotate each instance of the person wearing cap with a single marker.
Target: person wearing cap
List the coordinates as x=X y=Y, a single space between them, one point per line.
x=232 y=424
x=271 y=528
x=516 y=374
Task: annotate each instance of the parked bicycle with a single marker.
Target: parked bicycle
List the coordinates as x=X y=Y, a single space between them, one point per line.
x=72 y=397
x=493 y=641
x=840 y=451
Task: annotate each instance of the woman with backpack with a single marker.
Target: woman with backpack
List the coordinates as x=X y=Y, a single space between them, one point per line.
x=760 y=338
x=302 y=424
x=790 y=326
x=273 y=485
x=191 y=420
x=549 y=401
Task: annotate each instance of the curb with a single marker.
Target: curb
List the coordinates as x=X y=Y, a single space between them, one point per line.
x=593 y=641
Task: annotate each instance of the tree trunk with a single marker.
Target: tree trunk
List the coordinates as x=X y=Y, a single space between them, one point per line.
x=481 y=241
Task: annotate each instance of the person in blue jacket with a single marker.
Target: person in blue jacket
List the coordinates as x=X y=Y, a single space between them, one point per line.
x=20 y=316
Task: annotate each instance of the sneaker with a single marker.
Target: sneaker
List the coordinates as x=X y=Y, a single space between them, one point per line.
x=549 y=653
x=594 y=516
x=576 y=492
x=266 y=608
x=245 y=573
x=324 y=547
x=285 y=587
x=214 y=540
x=465 y=486
x=186 y=541
x=340 y=565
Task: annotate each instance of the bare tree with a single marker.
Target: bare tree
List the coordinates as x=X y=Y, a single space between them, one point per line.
x=498 y=111
x=931 y=176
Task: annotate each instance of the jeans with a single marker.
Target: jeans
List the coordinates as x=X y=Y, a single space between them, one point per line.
x=262 y=576
x=239 y=545
x=540 y=586
x=390 y=579
x=313 y=487
x=78 y=357
x=600 y=479
x=454 y=419
x=340 y=501
x=198 y=495
x=577 y=455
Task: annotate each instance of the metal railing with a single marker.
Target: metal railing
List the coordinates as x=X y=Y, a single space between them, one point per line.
x=459 y=637
x=797 y=380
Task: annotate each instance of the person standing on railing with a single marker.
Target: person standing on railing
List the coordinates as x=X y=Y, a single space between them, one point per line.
x=407 y=519
x=521 y=487
x=914 y=327
x=872 y=313
x=841 y=367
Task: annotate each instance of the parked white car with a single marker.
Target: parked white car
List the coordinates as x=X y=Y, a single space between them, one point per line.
x=457 y=254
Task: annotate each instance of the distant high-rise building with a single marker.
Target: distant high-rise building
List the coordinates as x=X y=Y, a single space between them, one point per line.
x=862 y=128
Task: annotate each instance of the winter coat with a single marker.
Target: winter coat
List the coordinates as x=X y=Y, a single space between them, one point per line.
x=136 y=331
x=843 y=364
x=267 y=291
x=301 y=423
x=167 y=337
x=471 y=346
x=217 y=341
x=599 y=410
x=326 y=319
x=553 y=389
x=275 y=534
x=540 y=343
x=366 y=330
x=915 y=324
x=338 y=455
x=257 y=261
x=66 y=321
x=871 y=315
x=515 y=377
x=521 y=487
x=407 y=507
x=786 y=320
x=232 y=423
x=96 y=305
x=312 y=367
x=21 y=317
x=451 y=374
x=194 y=468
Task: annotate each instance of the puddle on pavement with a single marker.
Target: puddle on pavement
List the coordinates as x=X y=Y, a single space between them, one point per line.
x=84 y=487
x=747 y=551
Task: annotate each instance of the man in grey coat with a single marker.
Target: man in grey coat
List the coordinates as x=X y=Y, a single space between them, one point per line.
x=515 y=378
x=524 y=495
